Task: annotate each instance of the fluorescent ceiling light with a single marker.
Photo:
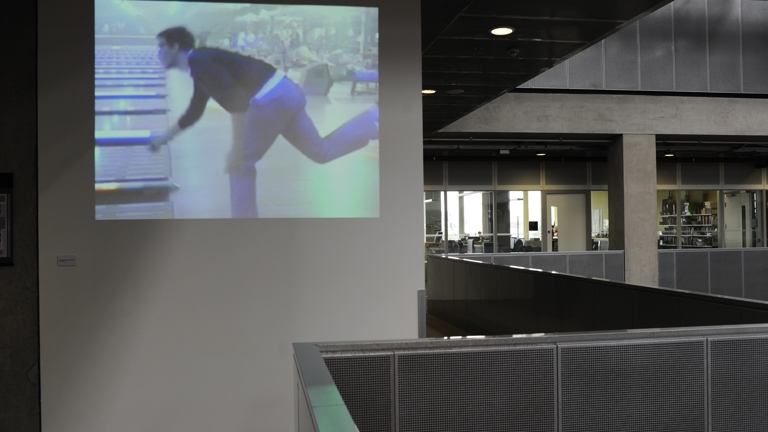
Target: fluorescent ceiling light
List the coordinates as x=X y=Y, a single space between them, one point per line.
x=428 y=91
x=502 y=31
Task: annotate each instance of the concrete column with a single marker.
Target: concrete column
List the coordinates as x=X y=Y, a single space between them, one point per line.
x=632 y=206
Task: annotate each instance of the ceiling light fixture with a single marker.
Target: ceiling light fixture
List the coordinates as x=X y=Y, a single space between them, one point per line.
x=428 y=91
x=541 y=154
x=669 y=154
x=502 y=31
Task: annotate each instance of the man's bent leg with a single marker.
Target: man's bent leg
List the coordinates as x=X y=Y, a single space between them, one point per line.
x=254 y=133
x=242 y=193
x=242 y=175
x=352 y=135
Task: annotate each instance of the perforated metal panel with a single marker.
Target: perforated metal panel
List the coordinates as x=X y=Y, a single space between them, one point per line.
x=518 y=173
x=756 y=274
x=742 y=173
x=754 y=15
x=621 y=60
x=666 y=174
x=690 y=45
x=656 y=51
x=704 y=173
x=365 y=385
x=558 y=263
x=513 y=259
x=509 y=390
x=553 y=78
x=589 y=265
x=726 y=277
x=433 y=173
x=470 y=173
x=482 y=258
x=667 y=269
x=614 y=267
x=585 y=70
x=692 y=272
x=724 y=38
x=633 y=387
x=739 y=384
x=565 y=173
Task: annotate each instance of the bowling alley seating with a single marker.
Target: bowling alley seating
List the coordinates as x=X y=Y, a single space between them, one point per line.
x=366 y=77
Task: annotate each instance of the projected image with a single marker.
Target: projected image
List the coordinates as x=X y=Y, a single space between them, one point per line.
x=233 y=110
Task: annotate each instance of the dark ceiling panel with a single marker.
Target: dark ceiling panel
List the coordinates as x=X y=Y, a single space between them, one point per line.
x=608 y=10
x=453 y=109
x=483 y=65
x=530 y=28
x=503 y=80
x=486 y=91
x=440 y=14
x=459 y=55
x=441 y=115
x=449 y=99
x=501 y=48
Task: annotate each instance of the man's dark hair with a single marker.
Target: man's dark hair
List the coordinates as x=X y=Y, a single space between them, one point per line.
x=180 y=36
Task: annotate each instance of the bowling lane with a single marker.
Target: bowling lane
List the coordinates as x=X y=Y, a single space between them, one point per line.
x=131 y=122
x=141 y=83
x=131 y=93
x=117 y=104
x=131 y=163
x=155 y=210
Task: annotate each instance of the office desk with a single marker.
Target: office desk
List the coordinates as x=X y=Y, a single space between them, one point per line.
x=482 y=247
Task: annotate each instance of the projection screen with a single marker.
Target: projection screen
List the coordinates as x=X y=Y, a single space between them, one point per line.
x=234 y=110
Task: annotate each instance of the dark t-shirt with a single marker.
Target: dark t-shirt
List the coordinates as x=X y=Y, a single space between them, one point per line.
x=229 y=78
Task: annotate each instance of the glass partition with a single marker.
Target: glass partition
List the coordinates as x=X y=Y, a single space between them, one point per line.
x=510 y=218
x=517 y=221
x=698 y=219
x=535 y=222
x=666 y=205
x=742 y=219
x=599 y=201
x=434 y=215
x=470 y=222
x=688 y=219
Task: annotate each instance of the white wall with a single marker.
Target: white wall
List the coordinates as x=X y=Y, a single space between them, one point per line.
x=187 y=325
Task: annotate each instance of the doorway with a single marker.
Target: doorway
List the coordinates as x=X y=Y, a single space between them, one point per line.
x=741 y=224
x=567 y=222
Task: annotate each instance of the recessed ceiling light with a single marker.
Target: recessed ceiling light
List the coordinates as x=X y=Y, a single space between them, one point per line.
x=428 y=91
x=669 y=154
x=541 y=154
x=502 y=31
